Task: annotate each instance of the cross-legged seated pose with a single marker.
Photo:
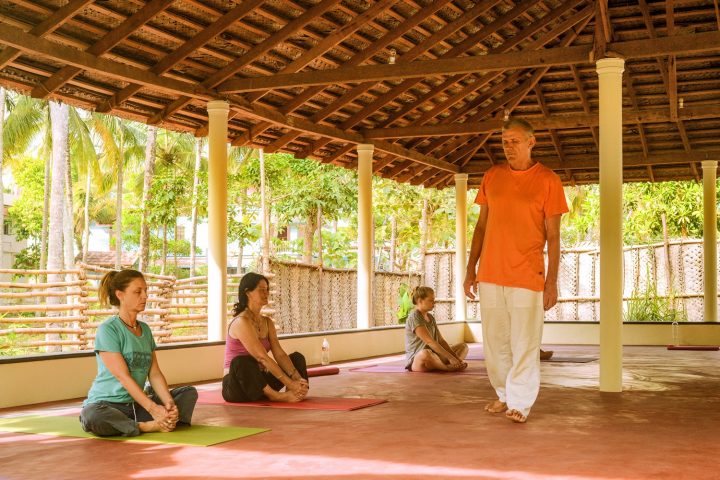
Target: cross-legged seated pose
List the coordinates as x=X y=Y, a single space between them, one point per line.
x=521 y=203
x=425 y=348
x=125 y=353
x=250 y=373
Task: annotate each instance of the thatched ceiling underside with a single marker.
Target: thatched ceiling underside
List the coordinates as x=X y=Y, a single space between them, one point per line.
x=427 y=81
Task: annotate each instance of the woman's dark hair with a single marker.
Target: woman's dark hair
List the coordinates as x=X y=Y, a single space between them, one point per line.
x=115 y=280
x=248 y=283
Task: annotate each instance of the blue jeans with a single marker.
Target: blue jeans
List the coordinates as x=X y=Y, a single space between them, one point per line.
x=110 y=418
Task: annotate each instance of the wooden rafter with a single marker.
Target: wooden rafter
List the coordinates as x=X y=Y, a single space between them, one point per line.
x=172 y=59
x=49 y=25
x=459 y=49
x=680 y=44
x=112 y=38
x=364 y=55
x=261 y=48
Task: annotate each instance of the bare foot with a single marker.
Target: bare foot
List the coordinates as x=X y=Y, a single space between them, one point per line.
x=546 y=354
x=516 y=416
x=496 y=407
x=151 y=426
x=275 y=396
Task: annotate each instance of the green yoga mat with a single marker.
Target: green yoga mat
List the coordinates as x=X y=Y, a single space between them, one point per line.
x=199 y=435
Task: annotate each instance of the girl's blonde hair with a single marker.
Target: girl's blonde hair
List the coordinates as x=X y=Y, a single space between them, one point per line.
x=421 y=293
x=113 y=281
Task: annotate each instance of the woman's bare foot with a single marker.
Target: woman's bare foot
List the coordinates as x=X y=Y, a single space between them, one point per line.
x=496 y=407
x=516 y=416
x=275 y=396
x=151 y=426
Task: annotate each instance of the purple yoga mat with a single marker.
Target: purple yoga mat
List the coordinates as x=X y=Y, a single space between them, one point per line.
x=401 y=369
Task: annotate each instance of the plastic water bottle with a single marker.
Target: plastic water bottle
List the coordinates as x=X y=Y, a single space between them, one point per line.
x=325 y=358
x=675 y=333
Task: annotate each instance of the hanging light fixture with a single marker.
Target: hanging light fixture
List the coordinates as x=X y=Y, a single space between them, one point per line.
x=392 y=57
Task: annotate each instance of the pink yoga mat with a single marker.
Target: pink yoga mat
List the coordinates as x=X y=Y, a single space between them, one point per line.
x=402 y=369
x=214 y=397
x=319 y=371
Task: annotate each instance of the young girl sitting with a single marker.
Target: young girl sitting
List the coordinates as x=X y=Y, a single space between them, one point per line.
x=425 y=348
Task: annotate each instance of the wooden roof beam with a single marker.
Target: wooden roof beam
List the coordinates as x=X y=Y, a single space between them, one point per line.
x=553 y=133
x=422 y=47
x=680 y=44
x=83 y=60
x=550 y=122
x=633 y=100
x=330 y=41
x=452 y=54
x=363 y=55
x=585 y=102
x=590 y=162
x=112 y=38
x=47 y=26
x=179 y=54
x=251 y=55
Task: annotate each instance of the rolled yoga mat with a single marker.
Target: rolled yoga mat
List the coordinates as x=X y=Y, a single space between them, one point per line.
x=214 y=397
x=710 y=348
x=320 y=371
x=198 y=435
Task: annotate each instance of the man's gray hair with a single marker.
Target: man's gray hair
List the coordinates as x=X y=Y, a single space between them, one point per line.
x=515 y=122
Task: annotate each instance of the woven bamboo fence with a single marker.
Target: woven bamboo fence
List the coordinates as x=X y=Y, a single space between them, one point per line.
x=672 y=272
x=316 y=299
x=304 y=298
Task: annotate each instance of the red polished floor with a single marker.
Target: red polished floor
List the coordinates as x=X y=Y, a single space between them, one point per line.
x=665 y=425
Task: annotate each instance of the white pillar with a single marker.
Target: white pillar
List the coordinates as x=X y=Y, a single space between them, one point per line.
x=710 y=239
x=365 y=237
x=460 y=245
x=217 y=218
x=610 y=72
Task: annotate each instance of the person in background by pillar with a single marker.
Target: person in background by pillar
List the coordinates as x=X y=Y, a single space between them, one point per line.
x=125 y=353
x=425 y=348
x=521 y=203
x=250 y=373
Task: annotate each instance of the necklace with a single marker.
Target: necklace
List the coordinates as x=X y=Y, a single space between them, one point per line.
x=255 y=319
x=131 y=327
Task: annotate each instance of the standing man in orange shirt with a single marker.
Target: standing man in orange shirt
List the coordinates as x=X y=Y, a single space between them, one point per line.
x=521 y=203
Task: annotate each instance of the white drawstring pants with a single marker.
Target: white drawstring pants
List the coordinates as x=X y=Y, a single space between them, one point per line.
x=512 y=324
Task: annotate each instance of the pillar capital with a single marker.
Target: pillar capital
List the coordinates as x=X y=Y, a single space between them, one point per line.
x=218 y=106
x=711 y=164
x=365 y=147
x=609 y=66
x=461 y=177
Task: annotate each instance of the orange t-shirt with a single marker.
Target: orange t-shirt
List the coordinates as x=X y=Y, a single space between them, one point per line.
x=518 y=203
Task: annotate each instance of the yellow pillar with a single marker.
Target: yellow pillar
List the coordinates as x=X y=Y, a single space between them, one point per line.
x=710 y=239
x=460 y=245
x=365 y=237
x=217 y=218
x=610 y=72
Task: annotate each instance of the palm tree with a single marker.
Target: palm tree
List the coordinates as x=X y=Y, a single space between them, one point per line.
x=122 y=145
x=147 y=183
x=195 y=192
x=59 y=122
x=2 y=187
x=28 y=124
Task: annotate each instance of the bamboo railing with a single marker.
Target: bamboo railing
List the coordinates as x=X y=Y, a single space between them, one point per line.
x=39 y=316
